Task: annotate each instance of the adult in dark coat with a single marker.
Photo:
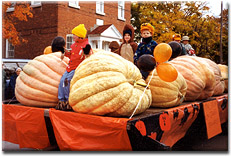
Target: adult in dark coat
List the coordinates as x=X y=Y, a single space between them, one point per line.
x=11 y=89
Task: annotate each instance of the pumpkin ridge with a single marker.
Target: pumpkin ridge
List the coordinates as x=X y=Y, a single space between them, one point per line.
x=31 y=102
x=94 y=84
x=74 y=79
x=38 y=84
x=185 y=63
x=50 y=62
x=43 y=72
x=34 y=92
x=196 y=71
x=123 y=108
x=96 y=68
x=94 y=107
x=159 y=85
x=41 y=77
x=116 y=107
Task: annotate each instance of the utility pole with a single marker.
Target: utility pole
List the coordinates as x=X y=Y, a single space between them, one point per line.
x=221 y=54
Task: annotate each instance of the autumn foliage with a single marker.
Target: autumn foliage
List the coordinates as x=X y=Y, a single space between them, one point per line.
x=185 y=18
x=22 y=11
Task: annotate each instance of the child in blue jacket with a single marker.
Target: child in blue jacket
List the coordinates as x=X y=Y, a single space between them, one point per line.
x=146 y=46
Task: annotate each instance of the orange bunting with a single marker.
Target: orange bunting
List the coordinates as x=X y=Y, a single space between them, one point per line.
x=166 y=72
x=162 y=52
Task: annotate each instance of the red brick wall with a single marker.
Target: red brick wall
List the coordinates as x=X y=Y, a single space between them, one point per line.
x=69 y=17
x=58 y=19
x=39 y=31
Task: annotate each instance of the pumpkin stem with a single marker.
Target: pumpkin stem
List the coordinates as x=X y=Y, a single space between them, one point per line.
x=140 y=84
x=223 y=79
x=181 y=96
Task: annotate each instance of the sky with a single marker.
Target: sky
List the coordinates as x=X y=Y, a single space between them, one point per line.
x=215 y=6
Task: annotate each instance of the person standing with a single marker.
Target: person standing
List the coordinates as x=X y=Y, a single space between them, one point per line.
x=189 y=49
x=128 y=47
x=177 y=38
x=11 y=88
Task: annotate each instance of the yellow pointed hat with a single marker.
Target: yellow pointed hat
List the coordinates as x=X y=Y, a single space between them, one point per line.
x=80 y=31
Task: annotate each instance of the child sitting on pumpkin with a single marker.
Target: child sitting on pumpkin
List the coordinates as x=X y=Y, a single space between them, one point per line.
x=79 y=51
x=146 y=46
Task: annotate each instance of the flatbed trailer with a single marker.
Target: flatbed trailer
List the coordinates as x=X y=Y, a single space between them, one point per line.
x=156 y=129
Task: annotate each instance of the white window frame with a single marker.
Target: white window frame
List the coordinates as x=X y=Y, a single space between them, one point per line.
x=121 y=10
x=11 y=8
x=74 y=4
x=8 y=44
x=34 y=4
x=100 y=7
x=68 y=43
x=99 y=22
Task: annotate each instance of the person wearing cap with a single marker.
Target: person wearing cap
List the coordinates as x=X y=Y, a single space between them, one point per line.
x=177 y=38
x=147 y=45
x=189 y=49
x=80 y=50
x=128 y=47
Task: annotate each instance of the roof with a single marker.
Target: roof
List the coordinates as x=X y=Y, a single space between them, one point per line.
x=100 y=29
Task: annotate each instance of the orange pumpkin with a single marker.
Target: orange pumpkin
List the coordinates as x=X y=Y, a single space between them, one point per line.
x=224 y=73
x=167 y=94
x=200 y=79
x=107 y=84
x=220 y=84
x=37 y=84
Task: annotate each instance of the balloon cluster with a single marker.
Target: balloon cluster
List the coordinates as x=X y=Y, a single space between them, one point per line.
x=162 y=53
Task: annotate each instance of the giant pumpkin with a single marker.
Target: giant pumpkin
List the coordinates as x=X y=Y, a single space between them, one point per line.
x=107 y=84
x=167 y=94
x=200 y=79
x=37 y=85
x=224 y=73
x=220 y=84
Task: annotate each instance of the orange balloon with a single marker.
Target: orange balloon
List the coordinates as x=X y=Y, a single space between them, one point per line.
x=166 y=72
x=162 y=52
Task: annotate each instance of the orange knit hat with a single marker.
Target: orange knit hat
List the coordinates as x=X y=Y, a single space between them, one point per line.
x=147 y=26
x=176 y=37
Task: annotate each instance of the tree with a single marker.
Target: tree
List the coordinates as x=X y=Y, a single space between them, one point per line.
x=185 y=18
x=21 y=12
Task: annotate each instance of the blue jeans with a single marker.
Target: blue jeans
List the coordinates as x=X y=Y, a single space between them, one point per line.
x=64 y=85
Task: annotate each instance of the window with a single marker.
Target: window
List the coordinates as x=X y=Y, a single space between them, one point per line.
x=74 y=4
x=36 y=3
x=69 y=41
x=99 y=22
x=121 y=10
x=11 y=8
x=9 y=50
x=100 y=7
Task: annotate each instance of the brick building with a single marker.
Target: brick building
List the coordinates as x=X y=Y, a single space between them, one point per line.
x=51 y=19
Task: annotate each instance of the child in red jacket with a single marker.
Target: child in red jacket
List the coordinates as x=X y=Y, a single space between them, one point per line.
x=79 y=51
